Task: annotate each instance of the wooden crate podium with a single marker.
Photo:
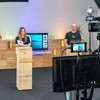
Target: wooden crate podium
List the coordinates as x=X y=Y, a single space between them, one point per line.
x=24 y=68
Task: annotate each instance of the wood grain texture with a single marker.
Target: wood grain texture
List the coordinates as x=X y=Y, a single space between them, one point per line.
x=8 y=55
x=7 y=64
x=24 y=83
x=24 y=69
x=24 y=55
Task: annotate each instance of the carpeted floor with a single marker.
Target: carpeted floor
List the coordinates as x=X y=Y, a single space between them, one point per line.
x=42 y=86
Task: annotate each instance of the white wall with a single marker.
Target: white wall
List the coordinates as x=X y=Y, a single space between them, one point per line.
x=52 y=16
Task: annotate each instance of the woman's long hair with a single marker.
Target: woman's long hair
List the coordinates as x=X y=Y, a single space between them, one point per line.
x=20 y=35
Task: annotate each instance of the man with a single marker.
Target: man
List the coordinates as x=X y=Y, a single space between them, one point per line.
x=72 y=35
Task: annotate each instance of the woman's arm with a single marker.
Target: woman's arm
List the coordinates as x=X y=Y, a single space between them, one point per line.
x=17 y=45
x=26 y=45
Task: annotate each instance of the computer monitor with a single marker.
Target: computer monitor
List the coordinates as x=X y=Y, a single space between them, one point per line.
x=79 y=47
x=68 y=65
x=39 y=41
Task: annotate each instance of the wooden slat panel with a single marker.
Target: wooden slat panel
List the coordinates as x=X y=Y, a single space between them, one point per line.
x=44 y=60
x=24 y=83
x=3 y=64
x=37 y=57
x=7 y=64
x=24 y=55
x=47 y=62
x=8 y=55
x=64 y=53
x=11 y=64
x=11 y=45
x=56 y=52
x=55 y=44
x=3 y=45
x=24 y=69
x=37 y=62
x=11 y=54
x=47 y=55
x=3 y=55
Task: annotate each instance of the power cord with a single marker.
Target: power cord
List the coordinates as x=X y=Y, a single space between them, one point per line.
x=61 y=75
x=95 y=75
x=93 y=42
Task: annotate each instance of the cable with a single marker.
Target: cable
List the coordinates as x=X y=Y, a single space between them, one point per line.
x=78 y=73
x=93 y=42
x=95 y=75
x=61 y=75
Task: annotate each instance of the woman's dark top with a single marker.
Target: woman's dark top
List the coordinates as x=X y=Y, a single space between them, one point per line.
x=23 y=40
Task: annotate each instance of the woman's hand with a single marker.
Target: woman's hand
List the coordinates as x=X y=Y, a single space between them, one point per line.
x=23 y=45
x=17 y=45
x=26 y=45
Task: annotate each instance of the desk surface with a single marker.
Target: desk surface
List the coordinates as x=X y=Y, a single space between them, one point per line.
x=7 y=40
x=24 y=47
x=40 y=52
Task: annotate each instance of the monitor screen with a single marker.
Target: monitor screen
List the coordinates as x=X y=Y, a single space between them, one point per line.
x=68 y=65
x=39 y=41
x=79 y=47
x=89 y=18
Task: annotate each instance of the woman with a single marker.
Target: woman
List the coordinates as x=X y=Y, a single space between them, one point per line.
x=22 y=40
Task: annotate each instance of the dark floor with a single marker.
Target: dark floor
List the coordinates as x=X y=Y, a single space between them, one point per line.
x=42 y=86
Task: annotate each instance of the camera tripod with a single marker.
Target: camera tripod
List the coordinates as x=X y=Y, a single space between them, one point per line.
x=90 y=50
x=78 y=73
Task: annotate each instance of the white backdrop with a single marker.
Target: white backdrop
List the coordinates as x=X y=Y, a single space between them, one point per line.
x=52 y=16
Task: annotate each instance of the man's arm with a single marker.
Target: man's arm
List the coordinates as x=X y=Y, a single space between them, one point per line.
x=65 y=43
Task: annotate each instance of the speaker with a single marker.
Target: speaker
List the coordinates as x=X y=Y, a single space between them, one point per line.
x=98 y=3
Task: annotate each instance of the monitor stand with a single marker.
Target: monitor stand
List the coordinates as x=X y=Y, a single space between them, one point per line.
x=43 y=50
